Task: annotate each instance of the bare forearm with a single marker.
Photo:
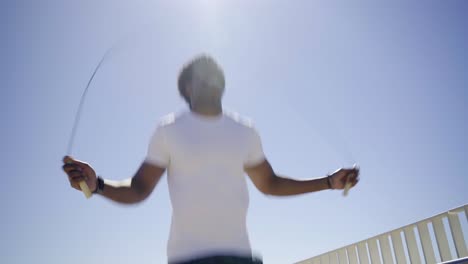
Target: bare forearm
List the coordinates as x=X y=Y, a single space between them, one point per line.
x=282 y=186
x=126 y=191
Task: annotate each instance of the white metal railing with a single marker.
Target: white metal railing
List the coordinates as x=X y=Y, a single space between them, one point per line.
x=388 y=248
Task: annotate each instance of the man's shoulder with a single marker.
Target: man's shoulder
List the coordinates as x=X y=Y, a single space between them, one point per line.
x=169 y=119
x=239 y=119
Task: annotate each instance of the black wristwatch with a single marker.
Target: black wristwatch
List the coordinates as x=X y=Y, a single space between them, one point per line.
x=329 y=182
x=99 y=185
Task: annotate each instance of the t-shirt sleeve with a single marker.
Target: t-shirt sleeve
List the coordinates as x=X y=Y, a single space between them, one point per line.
x=158 y=153
x=255 y=154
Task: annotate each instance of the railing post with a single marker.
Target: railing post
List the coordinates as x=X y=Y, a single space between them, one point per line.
x=426 y=242
x=374 y=251
x=466 y=211
x=385 y=249
x=398 y=247
x=352 y=256
x=333 y=258
x=412 y=245
x=457 y=234
x=343 y=259
x=362 y=250
x=441 y=238
x=324 y=259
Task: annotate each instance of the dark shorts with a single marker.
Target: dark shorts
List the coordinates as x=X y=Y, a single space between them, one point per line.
x=223 y=260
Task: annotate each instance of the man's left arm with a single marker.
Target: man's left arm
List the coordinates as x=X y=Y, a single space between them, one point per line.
x=268 y=182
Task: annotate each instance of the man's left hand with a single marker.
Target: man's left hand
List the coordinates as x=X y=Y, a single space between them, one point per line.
x=342 y=176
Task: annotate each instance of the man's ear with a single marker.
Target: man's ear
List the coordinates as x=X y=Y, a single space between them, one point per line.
x=188 y=91
x=185 y=93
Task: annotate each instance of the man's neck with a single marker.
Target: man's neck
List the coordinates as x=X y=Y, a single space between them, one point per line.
x=208 y=110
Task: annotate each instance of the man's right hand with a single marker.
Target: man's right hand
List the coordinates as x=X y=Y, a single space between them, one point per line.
x=78 y=171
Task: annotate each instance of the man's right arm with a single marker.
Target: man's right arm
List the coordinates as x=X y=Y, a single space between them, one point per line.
x=136 y=189
x=129 y=191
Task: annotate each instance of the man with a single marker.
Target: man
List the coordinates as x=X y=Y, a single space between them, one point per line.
x=206 y=152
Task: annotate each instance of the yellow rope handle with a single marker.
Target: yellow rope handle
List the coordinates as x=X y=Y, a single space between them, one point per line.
x=346 y=188
x=85 y=189
x=348 y=184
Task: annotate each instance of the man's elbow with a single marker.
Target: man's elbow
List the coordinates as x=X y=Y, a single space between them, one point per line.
x=140 y=191
x=270 y=186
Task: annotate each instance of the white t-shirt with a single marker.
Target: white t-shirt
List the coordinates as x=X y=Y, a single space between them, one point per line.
x=205 y=159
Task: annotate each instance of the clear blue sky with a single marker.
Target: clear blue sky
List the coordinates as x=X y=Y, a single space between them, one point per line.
x=328 y=84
